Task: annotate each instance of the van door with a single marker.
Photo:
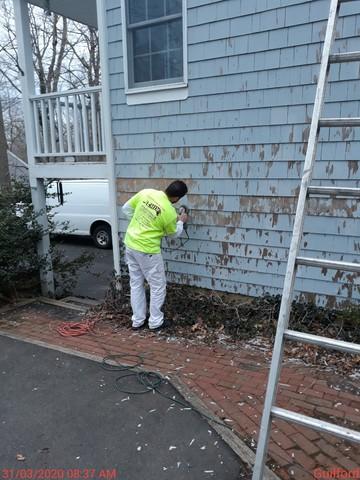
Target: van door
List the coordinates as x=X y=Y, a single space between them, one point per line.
x=81 y=204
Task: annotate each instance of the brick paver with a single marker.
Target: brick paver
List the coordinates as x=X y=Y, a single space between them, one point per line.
x=232 y=382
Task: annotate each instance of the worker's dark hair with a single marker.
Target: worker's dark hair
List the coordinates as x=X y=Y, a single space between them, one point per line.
x=176 y=189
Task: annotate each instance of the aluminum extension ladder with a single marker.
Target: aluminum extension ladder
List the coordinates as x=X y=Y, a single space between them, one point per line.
x=283 y=333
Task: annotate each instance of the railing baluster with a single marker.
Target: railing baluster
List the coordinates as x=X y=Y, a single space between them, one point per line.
x=68 y=125
x=76 y=125
x=52 y=126
x=93 y=123
x=45 y=126
x=85 y=123
x=101 y=128
x=37 y=126
x=60 y=124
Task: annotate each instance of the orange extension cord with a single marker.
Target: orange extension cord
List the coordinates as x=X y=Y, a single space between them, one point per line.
x=75 y=329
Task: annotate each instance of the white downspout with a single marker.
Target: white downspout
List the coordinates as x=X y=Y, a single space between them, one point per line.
x=103 y=44
x=25 y=57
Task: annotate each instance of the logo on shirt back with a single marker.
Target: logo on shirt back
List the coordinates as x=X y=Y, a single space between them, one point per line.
x=153 y=206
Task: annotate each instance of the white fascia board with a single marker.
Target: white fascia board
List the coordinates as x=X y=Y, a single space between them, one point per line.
x=83 y=11
x=68 y=170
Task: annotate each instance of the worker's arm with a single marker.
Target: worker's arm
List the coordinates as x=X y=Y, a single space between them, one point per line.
x=179 y=230
x=128 y=210
x=171 y=232
x=129 y=207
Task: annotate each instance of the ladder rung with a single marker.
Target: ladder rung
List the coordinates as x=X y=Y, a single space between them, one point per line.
x=337 y=265
x=340 y=122
x=344 y=57
x=323 y=342
x=334 y=191
x=320 y=425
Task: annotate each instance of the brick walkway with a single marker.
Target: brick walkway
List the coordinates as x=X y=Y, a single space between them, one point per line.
x=232 y=384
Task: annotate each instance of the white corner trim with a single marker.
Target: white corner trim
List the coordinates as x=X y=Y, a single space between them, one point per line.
x=163 y=95
x=107 y=122
x=124 y=44
x=185 y=41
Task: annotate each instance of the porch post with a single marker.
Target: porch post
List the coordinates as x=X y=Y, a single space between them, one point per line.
x=37 y=184
x=105 y=85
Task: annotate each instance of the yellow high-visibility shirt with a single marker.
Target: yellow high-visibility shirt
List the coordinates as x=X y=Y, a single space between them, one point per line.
x=154 y=217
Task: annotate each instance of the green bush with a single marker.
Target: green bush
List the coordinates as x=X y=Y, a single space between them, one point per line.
x=20 y=232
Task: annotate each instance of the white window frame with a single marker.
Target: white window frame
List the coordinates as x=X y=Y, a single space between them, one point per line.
x=163 y=92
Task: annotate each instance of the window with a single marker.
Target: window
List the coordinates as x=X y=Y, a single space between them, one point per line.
x=155 y=44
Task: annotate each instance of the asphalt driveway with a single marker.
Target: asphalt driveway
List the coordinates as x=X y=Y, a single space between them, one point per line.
x=92 y=282
x=65 y=413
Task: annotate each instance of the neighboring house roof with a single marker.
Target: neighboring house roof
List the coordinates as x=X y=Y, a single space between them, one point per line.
x=83 y=11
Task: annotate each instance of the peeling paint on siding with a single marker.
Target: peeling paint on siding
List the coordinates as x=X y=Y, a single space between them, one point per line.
x=239 y=142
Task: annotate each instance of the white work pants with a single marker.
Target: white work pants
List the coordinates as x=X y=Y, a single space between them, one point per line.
x=150 y=267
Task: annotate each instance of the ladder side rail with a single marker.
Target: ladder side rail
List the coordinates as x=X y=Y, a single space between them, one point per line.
x=289 y=280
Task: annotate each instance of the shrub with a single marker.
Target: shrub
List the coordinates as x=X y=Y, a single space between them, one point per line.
x=20 y=232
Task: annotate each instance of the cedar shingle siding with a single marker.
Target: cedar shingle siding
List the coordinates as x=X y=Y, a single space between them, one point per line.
x=239 y=141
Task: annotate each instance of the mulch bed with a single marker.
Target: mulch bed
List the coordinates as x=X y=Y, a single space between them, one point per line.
x=210 y=317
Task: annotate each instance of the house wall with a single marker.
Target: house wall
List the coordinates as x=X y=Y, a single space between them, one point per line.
x=239 y=142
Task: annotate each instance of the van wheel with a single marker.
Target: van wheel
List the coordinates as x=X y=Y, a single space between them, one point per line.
x=102 y=236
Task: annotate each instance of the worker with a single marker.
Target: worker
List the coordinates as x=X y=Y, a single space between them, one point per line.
x=152 y=216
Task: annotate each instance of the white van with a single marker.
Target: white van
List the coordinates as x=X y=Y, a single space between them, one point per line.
x=85 y=207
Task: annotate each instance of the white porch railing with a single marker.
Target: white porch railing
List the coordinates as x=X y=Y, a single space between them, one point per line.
x=68 y=123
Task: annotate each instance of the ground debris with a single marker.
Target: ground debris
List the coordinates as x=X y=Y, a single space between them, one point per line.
x=216 y=317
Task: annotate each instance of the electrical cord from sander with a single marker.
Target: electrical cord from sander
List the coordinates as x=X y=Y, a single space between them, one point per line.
x=151 y=381
x=182 y=209
x=177 y=247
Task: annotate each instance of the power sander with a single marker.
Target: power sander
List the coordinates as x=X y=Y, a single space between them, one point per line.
x=184 y=209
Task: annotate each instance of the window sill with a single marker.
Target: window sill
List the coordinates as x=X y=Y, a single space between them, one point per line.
x=157 y=94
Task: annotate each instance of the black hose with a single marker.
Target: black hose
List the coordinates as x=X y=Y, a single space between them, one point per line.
x=151 y=381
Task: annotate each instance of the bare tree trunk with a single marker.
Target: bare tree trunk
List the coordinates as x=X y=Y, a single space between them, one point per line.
x=61 y=55
x=4 y=166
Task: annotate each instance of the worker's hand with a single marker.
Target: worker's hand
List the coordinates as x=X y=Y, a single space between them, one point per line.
x=183 y=217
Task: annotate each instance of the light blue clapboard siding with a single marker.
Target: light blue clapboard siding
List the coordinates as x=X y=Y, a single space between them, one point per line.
x=239 y=141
